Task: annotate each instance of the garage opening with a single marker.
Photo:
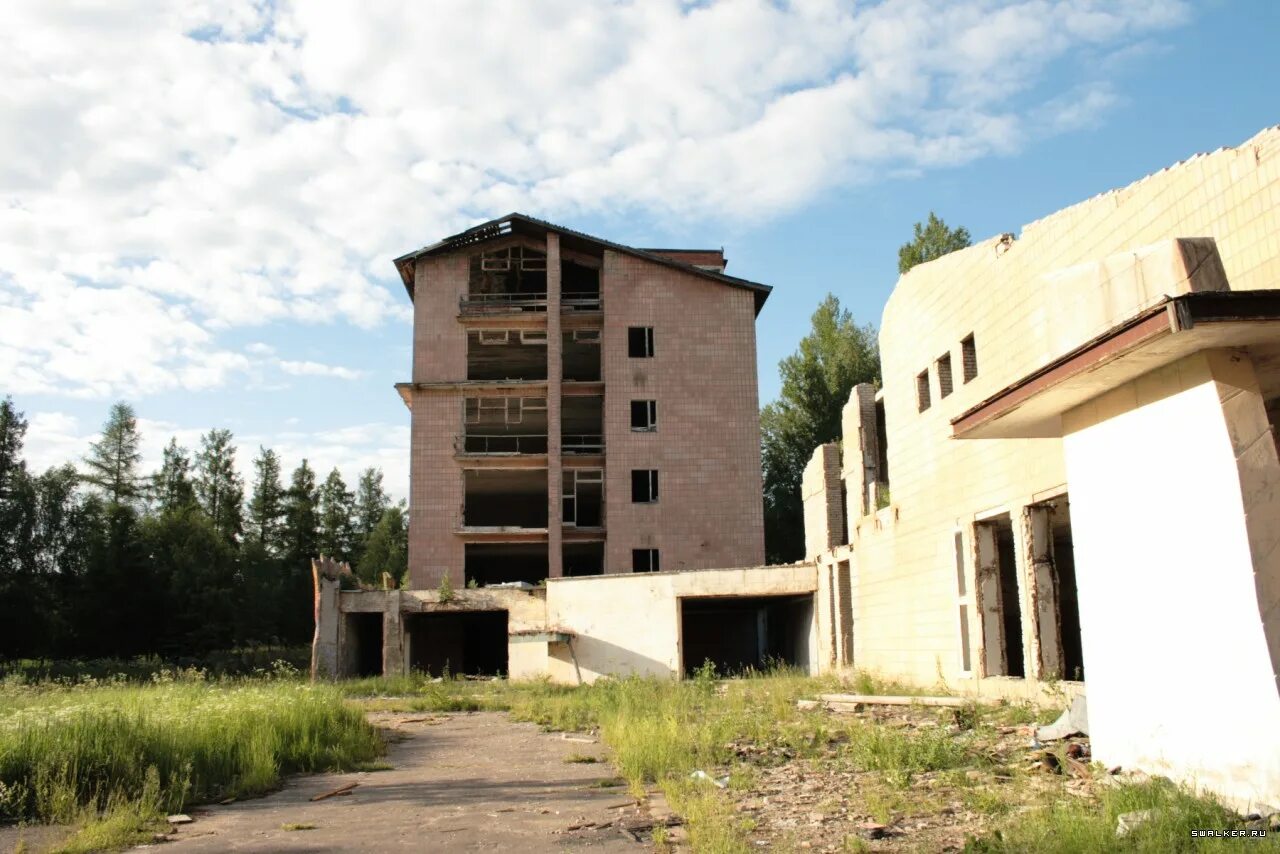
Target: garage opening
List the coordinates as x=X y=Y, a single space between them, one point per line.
x=364 y=644
x=743 y=633
x=999 y=597
x=500 y=563
x=583 y=558
x=467 y=643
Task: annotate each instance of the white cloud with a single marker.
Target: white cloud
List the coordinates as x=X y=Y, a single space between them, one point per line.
x=316 y=369
x=172 y=170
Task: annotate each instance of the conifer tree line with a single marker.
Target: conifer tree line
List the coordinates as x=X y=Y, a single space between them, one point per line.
x=99 y=558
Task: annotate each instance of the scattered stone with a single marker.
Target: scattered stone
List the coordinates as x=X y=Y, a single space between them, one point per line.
x=1126 y=822
x=872 y=830
x=179 y=818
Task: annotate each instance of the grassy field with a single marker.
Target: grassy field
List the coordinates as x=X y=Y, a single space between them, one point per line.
x=112 y=758
x=934 y=769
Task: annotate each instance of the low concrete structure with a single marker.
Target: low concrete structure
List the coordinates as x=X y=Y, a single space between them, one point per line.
x=573 y=631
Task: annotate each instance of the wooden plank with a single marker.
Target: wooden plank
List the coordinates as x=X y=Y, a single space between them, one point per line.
x=887 y=700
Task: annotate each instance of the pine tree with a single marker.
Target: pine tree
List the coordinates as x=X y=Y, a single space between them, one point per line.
x=172 y=487
x=387 y=548
x=267 y=505
x=219 y=488
x=336 y=512
x=836 y=355
x=13 y=486
x=113 y=460
x=302 y=543
x=371 y=503
x=932 y=240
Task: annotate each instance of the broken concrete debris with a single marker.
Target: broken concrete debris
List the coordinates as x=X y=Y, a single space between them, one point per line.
x=1073 y=721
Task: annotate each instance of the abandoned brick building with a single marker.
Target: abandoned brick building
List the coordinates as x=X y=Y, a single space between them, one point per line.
x=1070 y=477
x=571 y=401
x=579 y=408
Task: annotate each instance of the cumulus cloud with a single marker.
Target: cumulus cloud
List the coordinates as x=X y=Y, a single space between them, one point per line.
x=170 y=171
x=317 y=369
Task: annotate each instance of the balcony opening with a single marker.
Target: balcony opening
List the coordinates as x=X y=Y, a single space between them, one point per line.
x=998 y=594
x=505 y=498
x=506 y=354
x=504 y=425
x=582 y=424
x=581 y=355
x=503 y=280
x=582 y=498
x=502 y=563
x=738 y=634
x=579 y=287
x=583 y=559
x=363 y=647
x=467 y=643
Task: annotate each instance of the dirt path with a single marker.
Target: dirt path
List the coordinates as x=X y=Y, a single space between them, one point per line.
x=466 y=782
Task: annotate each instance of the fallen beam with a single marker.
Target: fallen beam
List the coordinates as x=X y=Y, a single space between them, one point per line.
x=853 y=702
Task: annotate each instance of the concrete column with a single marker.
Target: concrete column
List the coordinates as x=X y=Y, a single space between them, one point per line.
x=324 y=644
x=555 y=369
x=393 y=652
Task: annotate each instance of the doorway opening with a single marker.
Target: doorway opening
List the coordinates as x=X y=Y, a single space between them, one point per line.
x=999 y=598
x=364 y=644
x=470 y=643
x=741 y=633
x=1057 y=598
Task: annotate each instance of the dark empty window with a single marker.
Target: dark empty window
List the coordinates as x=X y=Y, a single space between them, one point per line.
x=969 y=355
x=922 y=391
x=644 y=415
x=644 y=485
x=644 y=560
x=640 y=342
x=944 y=375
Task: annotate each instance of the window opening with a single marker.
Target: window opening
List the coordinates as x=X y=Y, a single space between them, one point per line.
x=969 y=357
x=644 y=560
x=640 y=342
x=644 y=416
x=944 y=375
x=644 y=486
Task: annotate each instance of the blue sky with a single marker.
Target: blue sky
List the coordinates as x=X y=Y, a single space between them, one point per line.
x=199 y=205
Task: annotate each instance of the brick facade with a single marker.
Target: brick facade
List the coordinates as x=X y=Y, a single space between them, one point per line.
x=706 y=447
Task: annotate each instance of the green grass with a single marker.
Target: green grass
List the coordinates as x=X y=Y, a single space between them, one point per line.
x=1077 y=826
x=115 y=758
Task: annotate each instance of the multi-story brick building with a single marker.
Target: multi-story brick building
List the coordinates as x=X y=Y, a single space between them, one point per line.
x=579 y=407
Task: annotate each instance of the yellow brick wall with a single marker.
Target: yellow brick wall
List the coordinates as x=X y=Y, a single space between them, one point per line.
x=1016 y=297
